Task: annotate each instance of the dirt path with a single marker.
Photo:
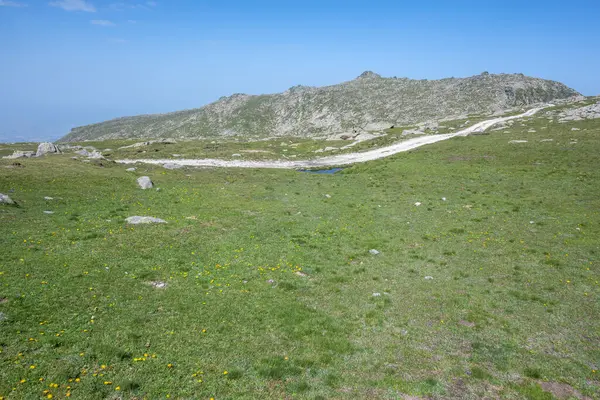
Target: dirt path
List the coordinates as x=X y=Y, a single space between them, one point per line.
x=342 y=159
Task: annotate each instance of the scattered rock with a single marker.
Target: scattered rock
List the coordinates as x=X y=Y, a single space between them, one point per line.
x=158 y=284
x=48 y=212
x=376 y=294
x=328 y=196
x=418 y=204
x=20 y=154
x=176 y=155
x=4 y=199
x=145 y=182
x=532 y=131
x=429 y=278
x=412 y=132
x=300 y=273
x=518 y=141
x=83 y=153
x=47 y=148
x=443 y=199
x=575 y=129
x=48 y=198
x=148 y=143
x=131 y=169
x=135 y=220
x=374 y=252
x=96 y=155
x=329 y=148
x=236 y=155
x=547 y=140
x=577 y=114
x=172 y=166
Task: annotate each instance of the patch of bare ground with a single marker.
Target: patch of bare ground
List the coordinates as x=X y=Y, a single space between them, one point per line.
x=562 y=390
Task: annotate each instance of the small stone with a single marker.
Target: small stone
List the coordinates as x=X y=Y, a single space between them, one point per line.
x=517 y=141
x=429 y=278
x=376 y=294
x=532 y=222
x=466 y=323
x=443 y=199
x=4 y=199
x=374 y=252
x=145 y=182
x=158 y=284
x=328 y=196
x=48 y=198
x=48 y=212
x=418 y=203
x=135 y=220
x=236 y=155
x=172 y=166
x=130 y=169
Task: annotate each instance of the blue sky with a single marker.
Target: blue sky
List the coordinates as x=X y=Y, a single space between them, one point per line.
x=66 y=63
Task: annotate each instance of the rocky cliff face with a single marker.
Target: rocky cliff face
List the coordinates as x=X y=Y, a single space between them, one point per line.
x=369 y=102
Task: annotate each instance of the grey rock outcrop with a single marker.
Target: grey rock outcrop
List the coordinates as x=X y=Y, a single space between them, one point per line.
x=20 y=154
x=577 y=114
x=148 y=143
x=145 y=182
x=47 y=148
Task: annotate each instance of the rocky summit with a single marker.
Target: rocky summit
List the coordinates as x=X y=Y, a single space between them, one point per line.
x=367 y=103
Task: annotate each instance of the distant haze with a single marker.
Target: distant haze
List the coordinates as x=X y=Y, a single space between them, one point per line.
x=72 y=63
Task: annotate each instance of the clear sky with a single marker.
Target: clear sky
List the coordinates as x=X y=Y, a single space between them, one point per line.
x=66 y=63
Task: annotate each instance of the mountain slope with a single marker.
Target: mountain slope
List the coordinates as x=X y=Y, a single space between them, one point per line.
x=369 y=102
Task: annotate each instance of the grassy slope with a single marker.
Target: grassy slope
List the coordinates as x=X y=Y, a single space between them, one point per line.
x=511 y=303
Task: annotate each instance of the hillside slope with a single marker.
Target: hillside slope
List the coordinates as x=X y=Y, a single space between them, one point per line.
x=369 y=102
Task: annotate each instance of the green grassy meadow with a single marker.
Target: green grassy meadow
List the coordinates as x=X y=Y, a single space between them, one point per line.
x=271 y=291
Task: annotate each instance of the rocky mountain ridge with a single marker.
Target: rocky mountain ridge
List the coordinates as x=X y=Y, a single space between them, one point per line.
x=367 y=103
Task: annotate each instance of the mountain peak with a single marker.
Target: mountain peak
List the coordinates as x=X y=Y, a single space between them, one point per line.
x=368 y=75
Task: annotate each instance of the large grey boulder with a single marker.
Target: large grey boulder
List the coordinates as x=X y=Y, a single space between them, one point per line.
x=47 y=148
x=4 y=199
x=135 y=220
x=145 y=182
x=20 y=154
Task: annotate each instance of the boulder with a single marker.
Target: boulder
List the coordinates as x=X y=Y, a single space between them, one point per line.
x=145 y=182
x=4 y=199
x=136 y=220
x=47 y=148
